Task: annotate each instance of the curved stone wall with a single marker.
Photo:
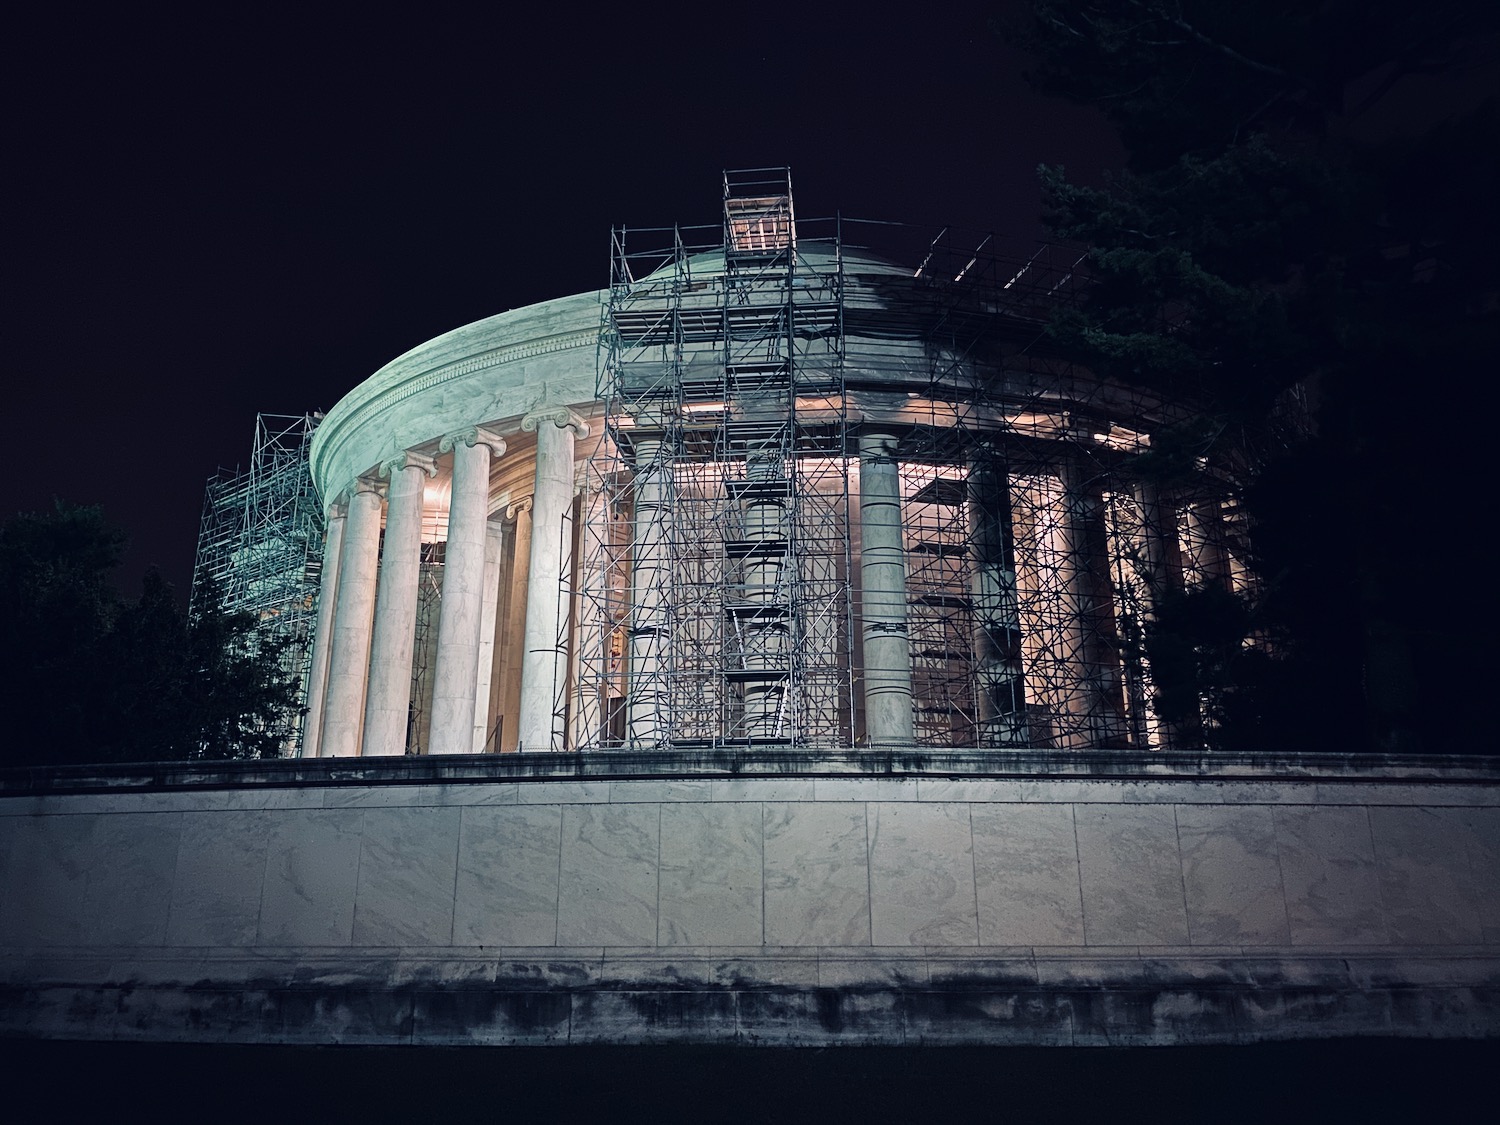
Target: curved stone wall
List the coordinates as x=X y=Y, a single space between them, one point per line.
x=754 y=899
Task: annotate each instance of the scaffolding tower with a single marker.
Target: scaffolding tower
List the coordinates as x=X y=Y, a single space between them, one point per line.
x=260 y=544
x=716 y=545
x=718 y=529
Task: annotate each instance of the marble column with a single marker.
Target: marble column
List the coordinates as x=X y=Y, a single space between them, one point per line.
x=882 y=566
x=462 y=612
x=650 y=582
x=1094 y=693
x=388 y=701
x=343 y=713
x=544 y=665
x=1208 y=558
x=1000 y=686
x=317 y=677
x=494 y=550
x=1162 y=576
x=513 y=654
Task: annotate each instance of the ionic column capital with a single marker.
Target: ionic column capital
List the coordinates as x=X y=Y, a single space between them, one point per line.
x=559 y=416
x=366 y=484
x=409 y=460
x=517 y=508
x=474 y=435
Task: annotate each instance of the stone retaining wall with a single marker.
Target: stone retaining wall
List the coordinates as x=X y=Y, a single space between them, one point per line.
x=775 y=899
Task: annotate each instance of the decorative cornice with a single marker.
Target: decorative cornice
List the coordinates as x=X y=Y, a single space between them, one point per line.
x=340 y=428
x=559 y=416
x=474 y=435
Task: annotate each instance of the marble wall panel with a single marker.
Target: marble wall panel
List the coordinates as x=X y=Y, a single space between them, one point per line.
x=1231 y=875
x=562 y=792
x=1483 y=845
x=921 y=875
x=1328 y=870
x=971 y=789
x=763 y=789
x=710 y=875
x=865 y=789
x=50 y=861
x=480 y=793
x=1131 y=875
x=655 y=792
x=1426 y=882
x=817 y=874
x=130 y=879
x=216 y=887
x=607 y=892
x=507 y=876
x=312 y=865
x=407 y=865
x=1026 y=875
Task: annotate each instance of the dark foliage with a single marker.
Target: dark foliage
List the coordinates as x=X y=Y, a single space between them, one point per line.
x=1306 y=228
x=88 y=676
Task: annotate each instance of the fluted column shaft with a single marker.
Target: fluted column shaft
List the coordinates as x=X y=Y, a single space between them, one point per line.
x=387 y=704
x=353 y=617
x=544 y=664
x=515 y=624
x=882 y=572
x=462 y=612
x=1161 y=559
x=1095 y=695
x=494 y=548
x=317 y=677
x=997 y=623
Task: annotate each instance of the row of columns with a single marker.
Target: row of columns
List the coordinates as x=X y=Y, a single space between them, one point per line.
x=359 y=690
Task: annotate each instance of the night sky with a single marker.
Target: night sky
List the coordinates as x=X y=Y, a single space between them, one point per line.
x=211 y=215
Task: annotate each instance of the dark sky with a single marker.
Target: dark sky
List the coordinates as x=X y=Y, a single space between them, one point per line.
x=214 y=214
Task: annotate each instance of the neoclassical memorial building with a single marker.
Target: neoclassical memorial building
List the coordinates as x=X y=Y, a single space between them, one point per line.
x=777 y=489
x=751 y=653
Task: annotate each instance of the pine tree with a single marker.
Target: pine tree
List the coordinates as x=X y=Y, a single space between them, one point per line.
x=1302 y=222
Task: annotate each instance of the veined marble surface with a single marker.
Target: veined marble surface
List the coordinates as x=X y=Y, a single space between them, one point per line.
x=798 y=888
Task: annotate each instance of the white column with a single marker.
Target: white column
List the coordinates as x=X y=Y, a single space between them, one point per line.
x=1161 y=566
x=494 y=547
x=1095 y=695
x=650 y=579
x=513 y=643
x=997 y=624
x=462 y=610
x=358 y=557
x=388 y=701
x=317 y=676
x=1208 y=560
x=544 y=664
x=882 y=566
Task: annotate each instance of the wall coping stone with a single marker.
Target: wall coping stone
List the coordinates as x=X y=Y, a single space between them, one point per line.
x=916 y=762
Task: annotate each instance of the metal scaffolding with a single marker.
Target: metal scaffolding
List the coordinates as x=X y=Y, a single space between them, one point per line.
x=716 y=545
x=260 y=543
x=718 y=527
